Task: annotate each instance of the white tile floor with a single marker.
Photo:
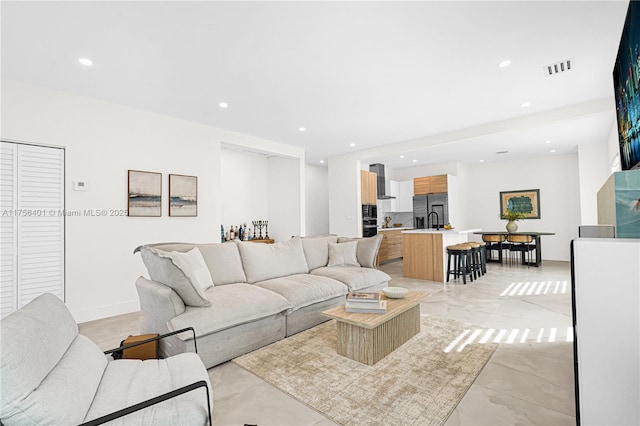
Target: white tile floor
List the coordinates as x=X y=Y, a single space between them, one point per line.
x=528 y=381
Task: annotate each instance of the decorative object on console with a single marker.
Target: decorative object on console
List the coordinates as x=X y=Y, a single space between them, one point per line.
x=144 y=194
x=183 y=195
x=526 y=202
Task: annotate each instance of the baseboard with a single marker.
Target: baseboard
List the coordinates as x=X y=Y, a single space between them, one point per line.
x=99 y=312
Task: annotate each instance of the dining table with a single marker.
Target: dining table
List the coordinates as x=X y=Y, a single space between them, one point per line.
x=536 y=238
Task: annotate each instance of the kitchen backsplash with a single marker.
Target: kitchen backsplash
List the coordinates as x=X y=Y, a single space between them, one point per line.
x=404 y=218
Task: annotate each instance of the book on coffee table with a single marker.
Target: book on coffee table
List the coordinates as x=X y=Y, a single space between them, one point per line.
x=371 y=308
x=363 y=297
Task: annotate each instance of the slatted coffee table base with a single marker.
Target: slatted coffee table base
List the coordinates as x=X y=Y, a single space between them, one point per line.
x=370 y=345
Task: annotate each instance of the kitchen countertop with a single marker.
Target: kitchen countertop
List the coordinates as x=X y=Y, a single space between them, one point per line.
x=441 y=231
x=400 y=228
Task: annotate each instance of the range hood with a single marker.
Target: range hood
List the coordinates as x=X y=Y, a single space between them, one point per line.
x=379 y=170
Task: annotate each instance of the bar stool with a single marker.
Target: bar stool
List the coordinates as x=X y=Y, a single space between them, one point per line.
x=478 y=265
x=461 y=255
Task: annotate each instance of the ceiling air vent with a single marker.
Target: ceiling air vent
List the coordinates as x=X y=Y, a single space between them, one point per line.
x=502 y=152
x=559 y=67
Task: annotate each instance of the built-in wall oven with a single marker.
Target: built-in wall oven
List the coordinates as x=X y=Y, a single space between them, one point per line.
x=369 y=220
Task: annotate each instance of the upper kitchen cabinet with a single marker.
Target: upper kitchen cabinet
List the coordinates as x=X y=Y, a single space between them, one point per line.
x=430 y=185
x=368 y=187
x=405 y=196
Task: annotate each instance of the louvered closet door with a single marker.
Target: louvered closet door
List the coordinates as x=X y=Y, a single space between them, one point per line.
x=35 y=265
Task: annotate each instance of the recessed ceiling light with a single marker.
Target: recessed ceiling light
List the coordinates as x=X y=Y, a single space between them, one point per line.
x=547 y=141
x=402 y=156
x=525 y=104
x=86 y=62
x=321 y=161
x=553 y=150
x=352 y=145
x=482 y=161
x=504 y=63
x=302 y=129
x=223 y=105
x=415 y=161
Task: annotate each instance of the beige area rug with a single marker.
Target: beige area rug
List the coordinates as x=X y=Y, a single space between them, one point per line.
x=417 y=384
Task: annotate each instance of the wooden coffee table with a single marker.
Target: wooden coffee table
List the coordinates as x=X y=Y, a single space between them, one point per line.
x=367 y=338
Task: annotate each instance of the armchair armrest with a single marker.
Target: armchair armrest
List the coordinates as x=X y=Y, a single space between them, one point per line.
x=149 y=402
x=153 y=339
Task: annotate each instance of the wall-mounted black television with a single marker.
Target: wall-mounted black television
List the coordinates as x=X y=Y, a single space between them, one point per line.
x=626 y=82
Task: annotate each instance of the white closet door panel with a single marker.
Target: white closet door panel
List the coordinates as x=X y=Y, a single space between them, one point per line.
x=8 y=228
x=41 y=231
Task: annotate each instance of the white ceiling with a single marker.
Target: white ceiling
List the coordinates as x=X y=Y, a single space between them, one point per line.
x=369 y=73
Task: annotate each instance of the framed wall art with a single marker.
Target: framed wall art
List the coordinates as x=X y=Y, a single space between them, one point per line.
x=145 y=194
x=183 y=195
x=525 y=201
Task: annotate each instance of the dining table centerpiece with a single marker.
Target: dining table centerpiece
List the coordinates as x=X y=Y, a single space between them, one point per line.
x=512 y=217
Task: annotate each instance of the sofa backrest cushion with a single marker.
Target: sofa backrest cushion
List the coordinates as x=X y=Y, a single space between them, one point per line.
x=316 y=250
x=163 y=270
x=223 y=260
x=266 y=261
x=224 y=263
x=50 y=374
x=367 y=249
x=343 y=254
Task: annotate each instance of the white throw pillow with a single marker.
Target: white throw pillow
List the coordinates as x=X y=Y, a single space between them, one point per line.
x=343 y=254
x=194 y=267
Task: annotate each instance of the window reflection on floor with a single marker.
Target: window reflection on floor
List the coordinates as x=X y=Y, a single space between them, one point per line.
x=536 y=288
x=510 y=336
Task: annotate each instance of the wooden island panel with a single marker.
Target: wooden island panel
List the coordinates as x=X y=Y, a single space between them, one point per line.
x=423 y=256
x=391 y=245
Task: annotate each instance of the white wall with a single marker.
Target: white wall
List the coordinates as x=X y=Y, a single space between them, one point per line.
x=102 y=141
x=286 y=198
x=345 y=214
x=557 y=180
x=317 y=200
x=594 y=169
x=245 y=192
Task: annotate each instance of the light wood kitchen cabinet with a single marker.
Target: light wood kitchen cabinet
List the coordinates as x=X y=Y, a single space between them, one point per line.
x=368 y=187
x=438 y=184
x=421 y=185
x=391 y=245
x=430 y=185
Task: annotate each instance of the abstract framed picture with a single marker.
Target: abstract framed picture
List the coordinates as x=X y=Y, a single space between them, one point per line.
x=145 y=194
x=183 y=195
x=526 y=201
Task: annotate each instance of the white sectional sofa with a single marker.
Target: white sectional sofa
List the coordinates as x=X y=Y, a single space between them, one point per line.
x=240 y=296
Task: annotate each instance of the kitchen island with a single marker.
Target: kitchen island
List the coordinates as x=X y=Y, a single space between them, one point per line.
x=424 y=252
x=391 y=245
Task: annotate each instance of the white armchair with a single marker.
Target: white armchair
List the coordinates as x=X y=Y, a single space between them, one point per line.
x=50 y=374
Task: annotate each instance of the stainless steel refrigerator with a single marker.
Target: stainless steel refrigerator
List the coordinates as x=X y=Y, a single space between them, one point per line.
x=430 y=211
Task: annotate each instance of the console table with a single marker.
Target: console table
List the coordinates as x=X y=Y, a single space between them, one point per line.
x=536 y=238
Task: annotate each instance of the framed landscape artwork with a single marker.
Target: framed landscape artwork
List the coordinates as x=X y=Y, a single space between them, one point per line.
x=183 y=195
x=145 y=194
x=525 y=201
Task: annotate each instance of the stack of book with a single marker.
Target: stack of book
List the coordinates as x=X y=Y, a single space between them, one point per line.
x=366 y=303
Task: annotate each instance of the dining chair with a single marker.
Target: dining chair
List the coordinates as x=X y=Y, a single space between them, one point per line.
x=522 y=244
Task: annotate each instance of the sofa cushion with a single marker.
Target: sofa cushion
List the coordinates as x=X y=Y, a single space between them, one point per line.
x=162 y=269
x=127 y=382
x=367 y=249
x=230 y=305
x=343 y=254
x=266 y=261
x=224 y=263
x=223 y=260
x=49 y=372
x=304 y=289
x=316 y=250
x=354 y=277
x=194 y=267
